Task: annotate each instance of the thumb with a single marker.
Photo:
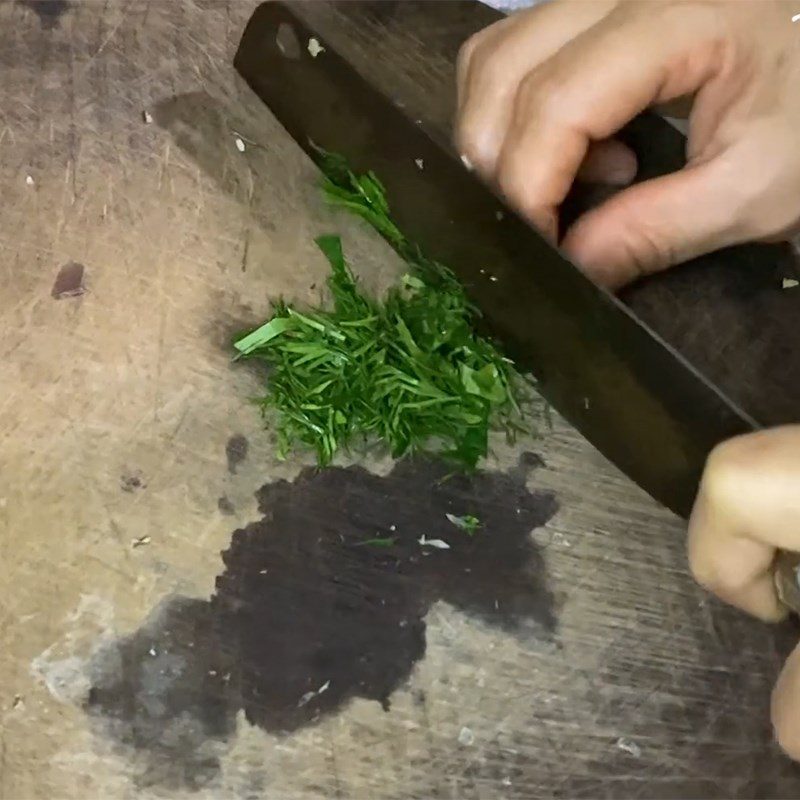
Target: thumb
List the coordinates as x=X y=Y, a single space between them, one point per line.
x=658 y=223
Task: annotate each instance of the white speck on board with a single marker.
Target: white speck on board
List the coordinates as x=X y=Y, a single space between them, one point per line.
x=140 y=542
x=629 y=746
x=29 y=180
x=147 y=117
x=239 y=145
x=466 y=162
x=420 y=163
x=311 y=695
x=305 y=698
x=466 y=737
x=314 y=47
x=796 y=17
x=789 y=283
x=440 y=544
x=560 y=540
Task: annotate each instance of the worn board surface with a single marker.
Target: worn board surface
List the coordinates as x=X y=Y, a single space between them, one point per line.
x=565 y=653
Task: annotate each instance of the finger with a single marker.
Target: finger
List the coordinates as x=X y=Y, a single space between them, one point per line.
x=568 y=101
x=493 y=63
x=786 y=706
x=658 y=223
x=747 y=507
x=478 y=42
x=610 y=162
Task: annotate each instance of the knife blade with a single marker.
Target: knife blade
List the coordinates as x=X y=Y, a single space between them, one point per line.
x=631 y=394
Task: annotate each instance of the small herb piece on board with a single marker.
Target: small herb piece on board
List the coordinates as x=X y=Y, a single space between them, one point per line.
x=439 y=544
x=408 y=370
x=467 y=523
x=387 y=541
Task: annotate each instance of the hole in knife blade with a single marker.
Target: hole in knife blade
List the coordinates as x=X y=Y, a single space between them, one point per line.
x=287 y=41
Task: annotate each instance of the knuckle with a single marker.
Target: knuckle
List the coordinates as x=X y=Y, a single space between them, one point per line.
x=482 y=47
x=480 y=53
x=510 y=180
x=466 y=53
x=543 y=94
x=722 y=476
x=701 y=569
x=464 y=135
x=475 y=144
x=717 y=576
x=720 y=490
x=493 y=67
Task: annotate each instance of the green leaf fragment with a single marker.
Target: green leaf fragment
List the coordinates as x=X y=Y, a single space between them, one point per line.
x=331 y=247
x=467 y=523
x=264 y=334
x=413 y=282
x=387 y=541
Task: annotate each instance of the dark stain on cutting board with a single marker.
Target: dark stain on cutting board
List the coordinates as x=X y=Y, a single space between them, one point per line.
x=69 y=281
x=236 y=451
x=322 y=600
x=48 y=11
x=165 y=692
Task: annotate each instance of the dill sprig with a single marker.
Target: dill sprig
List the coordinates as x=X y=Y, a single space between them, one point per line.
x=408 y=370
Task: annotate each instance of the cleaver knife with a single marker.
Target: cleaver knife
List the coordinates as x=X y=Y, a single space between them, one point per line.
x=639 y=386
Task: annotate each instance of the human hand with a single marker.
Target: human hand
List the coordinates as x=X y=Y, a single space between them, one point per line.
x=541 y=93
x=748 y=508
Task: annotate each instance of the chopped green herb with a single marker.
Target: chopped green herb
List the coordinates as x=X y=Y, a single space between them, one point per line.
x=408 y=370
x=260 y=336
x=387 y=541
x=467 y=523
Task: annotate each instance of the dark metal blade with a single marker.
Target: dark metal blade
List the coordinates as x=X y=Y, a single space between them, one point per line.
x=634 y=397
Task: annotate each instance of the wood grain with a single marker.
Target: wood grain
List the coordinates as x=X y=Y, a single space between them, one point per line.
x=650 y=689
